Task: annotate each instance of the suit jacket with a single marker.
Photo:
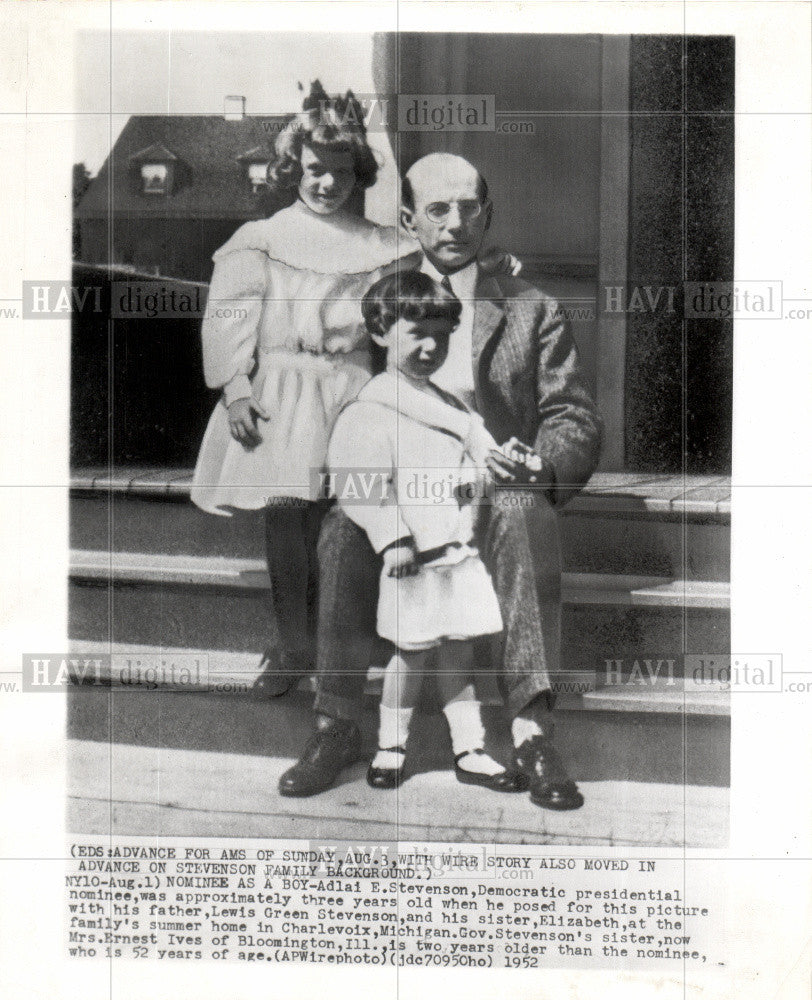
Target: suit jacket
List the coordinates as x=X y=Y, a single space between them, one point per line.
x=529 y=383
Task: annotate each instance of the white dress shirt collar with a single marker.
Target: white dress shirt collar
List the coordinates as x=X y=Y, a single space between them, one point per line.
x=463 y=282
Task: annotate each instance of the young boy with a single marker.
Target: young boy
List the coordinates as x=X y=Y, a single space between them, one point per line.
x=435 y=591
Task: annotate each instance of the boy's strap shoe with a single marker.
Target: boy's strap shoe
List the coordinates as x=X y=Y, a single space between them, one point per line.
x=509 y=780
x=550 y=785
x=326 y=754
x=387 y=777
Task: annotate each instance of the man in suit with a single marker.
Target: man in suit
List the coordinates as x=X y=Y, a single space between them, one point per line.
x=512 y=359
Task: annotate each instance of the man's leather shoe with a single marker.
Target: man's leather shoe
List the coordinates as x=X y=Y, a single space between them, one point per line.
x=326 y=753
x=550 y=785
x=509 y=780
x=275 y=678
x=386 y=777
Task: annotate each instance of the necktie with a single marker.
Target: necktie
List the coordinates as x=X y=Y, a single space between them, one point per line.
x=445 y=281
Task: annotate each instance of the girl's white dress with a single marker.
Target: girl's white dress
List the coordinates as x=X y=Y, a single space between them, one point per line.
x=283 y=323
x=426 y=459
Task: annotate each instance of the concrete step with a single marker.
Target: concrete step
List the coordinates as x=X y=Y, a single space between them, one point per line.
x=224 y=603
x=145 y=788
x=602 y=542
x=603 y=589
x=130 y=666
x=656 y=528
x=643 y=743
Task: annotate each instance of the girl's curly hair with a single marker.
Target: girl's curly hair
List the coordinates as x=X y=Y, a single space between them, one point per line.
x=322 y=128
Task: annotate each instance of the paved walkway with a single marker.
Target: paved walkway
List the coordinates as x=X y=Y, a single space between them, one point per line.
x=181 y=764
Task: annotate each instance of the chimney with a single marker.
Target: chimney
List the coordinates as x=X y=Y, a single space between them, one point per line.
x=234 y=108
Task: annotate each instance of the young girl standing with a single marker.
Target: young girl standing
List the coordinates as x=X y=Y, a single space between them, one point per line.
x=292 y=354
x=429 y=451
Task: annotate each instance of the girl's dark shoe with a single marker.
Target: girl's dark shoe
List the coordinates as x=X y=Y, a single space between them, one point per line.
x=509 y=780
x=386 y=777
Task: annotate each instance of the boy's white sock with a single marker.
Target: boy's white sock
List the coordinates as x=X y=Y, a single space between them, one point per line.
x=393 y=731
x=468 y=734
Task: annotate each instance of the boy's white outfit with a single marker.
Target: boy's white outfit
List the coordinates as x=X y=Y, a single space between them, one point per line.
x=427 y=459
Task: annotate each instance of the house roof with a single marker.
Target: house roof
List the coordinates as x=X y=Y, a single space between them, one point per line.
x=208 y=147
x=155 y=153
x=255 y=155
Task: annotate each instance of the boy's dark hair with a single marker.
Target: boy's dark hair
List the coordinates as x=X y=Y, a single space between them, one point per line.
x=409 y=295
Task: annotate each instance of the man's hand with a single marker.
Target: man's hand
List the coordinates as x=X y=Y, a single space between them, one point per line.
x=516 y=463
x=496 y=261
x=503 y=469
x=242 y=421
x=400 y=560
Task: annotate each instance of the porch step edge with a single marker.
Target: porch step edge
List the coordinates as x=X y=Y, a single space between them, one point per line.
x=227 y=672
x=604 y=589
x=705 y=499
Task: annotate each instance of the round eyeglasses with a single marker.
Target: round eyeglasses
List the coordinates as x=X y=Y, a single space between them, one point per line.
x=469 y=209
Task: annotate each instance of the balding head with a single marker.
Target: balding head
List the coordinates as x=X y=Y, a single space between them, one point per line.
x=433 y=168
x=445 y=207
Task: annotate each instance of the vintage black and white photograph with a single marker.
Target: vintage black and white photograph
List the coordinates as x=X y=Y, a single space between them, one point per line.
x=400 y=437
x=405 y=499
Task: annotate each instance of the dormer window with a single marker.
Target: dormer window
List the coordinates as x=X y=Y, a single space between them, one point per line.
x=255 y=164
x=154 y=177
x=156 y=171
x=257 y=175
